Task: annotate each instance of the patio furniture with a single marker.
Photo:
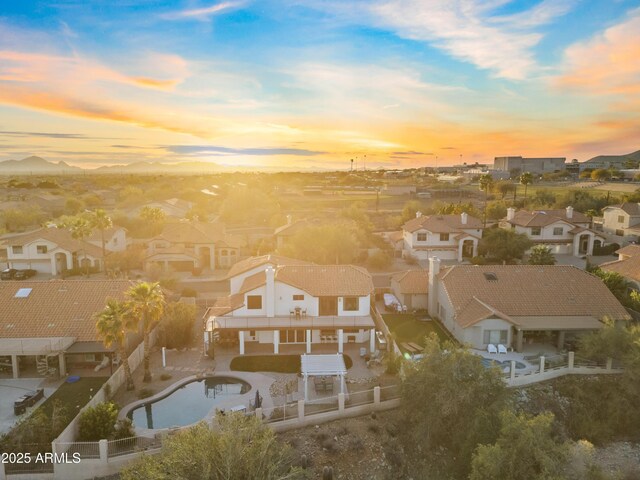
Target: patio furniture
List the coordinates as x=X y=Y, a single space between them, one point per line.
x=304 y=313
x=409 y=348
x=418 y=348
x=27 y=400
x=491 y=348
x=292 y=314
x=502 y=348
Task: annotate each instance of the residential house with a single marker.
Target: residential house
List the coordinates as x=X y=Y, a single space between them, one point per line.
x=252 y=265
x=519 y=305
x=565 y=231
x=50 y=250
x=294 y=305
x=115 y=239
x=627 y=265
x=622 y=221
x=411 y=288
x=448 y=237
x=186 y=246
x=49 y=327
x=173 y=208
x=284 y=233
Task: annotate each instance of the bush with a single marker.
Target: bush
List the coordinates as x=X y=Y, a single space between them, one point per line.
x=189 y=292
x=124 y=429
x=165 y=376
x=380 y=260
x=97 y=423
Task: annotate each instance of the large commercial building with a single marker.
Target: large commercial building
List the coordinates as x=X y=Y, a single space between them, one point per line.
x=533 y=165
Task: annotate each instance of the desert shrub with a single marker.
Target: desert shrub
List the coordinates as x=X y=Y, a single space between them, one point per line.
x=165 y=376
x=97 y=423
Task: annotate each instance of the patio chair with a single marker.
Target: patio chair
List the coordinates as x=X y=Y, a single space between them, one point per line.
x=491 y=348
x=502 y=348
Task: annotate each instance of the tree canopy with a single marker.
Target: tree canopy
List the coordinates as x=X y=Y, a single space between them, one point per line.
x=242 y=448
x=541 y=255
x=324 y=244
x=503 y=246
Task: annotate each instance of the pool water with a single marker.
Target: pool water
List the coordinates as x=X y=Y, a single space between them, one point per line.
x=488 y=362
x=188 y=404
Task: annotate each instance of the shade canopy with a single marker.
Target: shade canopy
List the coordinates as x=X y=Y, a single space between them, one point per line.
x=328 y=364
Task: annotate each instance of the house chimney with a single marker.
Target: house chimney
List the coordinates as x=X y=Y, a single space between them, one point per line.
x=418 y=214
x=270 y=297
x=432 y=294
x=288 y=219
x=463 y=218
x=569 y=212
x=511 y=212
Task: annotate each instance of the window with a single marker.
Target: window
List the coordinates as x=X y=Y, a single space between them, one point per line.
x=620 y=218
x=619 y=233
x=351 y=304
x=557 y=231
x=41 y=249
x=298 y=298
x=495 y=336
x=535 y=231
x=254 y=302
x=444 y=237
x=17 y=249
x=252 y=333
x=422 y=237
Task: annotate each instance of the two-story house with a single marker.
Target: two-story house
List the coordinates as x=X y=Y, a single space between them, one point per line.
x=294 y=305
x=448 y=237
x=622 y=221
x=185 y=246
x=50 y=250
x=519 y=305
x=627 y=265
x=564 y=231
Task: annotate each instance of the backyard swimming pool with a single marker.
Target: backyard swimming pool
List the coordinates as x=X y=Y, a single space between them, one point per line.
x=188 y=403
x=488 y=362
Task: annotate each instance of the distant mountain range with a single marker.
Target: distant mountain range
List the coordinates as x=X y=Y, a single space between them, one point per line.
x=635 y=156
x=36 y=165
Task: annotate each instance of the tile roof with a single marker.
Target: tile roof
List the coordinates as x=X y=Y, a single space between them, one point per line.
x=442 y=223
x=542 y=218
x=56 y=308
x=412 y=281
x=60 y=236
x=396 y=236
x=291 y=228
x=96 y=235
x=327 y=280
x=629 y=250
x=520 y=291
x=253 y=262
x=200 y=233
x=632 y=209
x=225 y=305
x=628 y=267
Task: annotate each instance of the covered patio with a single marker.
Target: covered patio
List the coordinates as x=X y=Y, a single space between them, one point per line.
x=555 y=332
x=324 y=367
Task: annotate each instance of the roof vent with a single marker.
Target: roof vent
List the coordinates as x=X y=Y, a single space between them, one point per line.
x=23 y=293
x=490 y=276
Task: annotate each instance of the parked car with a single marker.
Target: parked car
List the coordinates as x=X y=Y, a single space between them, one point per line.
x=8 y=274
x=23 y=274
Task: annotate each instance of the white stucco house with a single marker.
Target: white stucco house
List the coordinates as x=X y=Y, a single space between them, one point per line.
x=518 y=305
x=189 y=245
x=448 y=237
x=115 y=239
x=622 y=221
x=565 y=231
x=50 y=250
x=287 y=304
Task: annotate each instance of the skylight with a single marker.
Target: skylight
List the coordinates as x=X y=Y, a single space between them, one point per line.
x=23 y=293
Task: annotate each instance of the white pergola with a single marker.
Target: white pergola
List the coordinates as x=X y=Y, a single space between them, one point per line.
x=322 y=365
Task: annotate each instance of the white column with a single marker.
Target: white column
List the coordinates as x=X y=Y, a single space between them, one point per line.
x=571 y=359
x=341 y=401
x=590 y=245
x=372 y=340
x=103 y=448
x=300 y=410
x=541 y=364
x=276 y=341
x=576 y=245
x=376 y=395
x=475 y=247
x=54 y=270
x=460 y=244
x=340 y=340
x=15 y=366
x=306 y=387
x=241 y=341
x=513 y=370
x=308 y=341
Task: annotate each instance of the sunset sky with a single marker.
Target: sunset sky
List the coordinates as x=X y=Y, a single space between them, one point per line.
x=311 y=84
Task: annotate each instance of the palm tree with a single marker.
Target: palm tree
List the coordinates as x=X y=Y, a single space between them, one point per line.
x=80 y=228
x=486 y=182
x=101 y=221
x=526 y=179
x=147 y=305
x=112 y=325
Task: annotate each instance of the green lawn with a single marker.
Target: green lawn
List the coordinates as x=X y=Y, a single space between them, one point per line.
x=407 y=328
x=273 y=363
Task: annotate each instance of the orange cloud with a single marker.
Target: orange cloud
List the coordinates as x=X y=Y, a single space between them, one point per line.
x=608 y=63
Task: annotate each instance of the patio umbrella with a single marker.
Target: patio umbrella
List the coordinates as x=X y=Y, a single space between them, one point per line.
x=258 y=401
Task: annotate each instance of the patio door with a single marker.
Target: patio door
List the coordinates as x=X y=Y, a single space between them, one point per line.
x=293 y=336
